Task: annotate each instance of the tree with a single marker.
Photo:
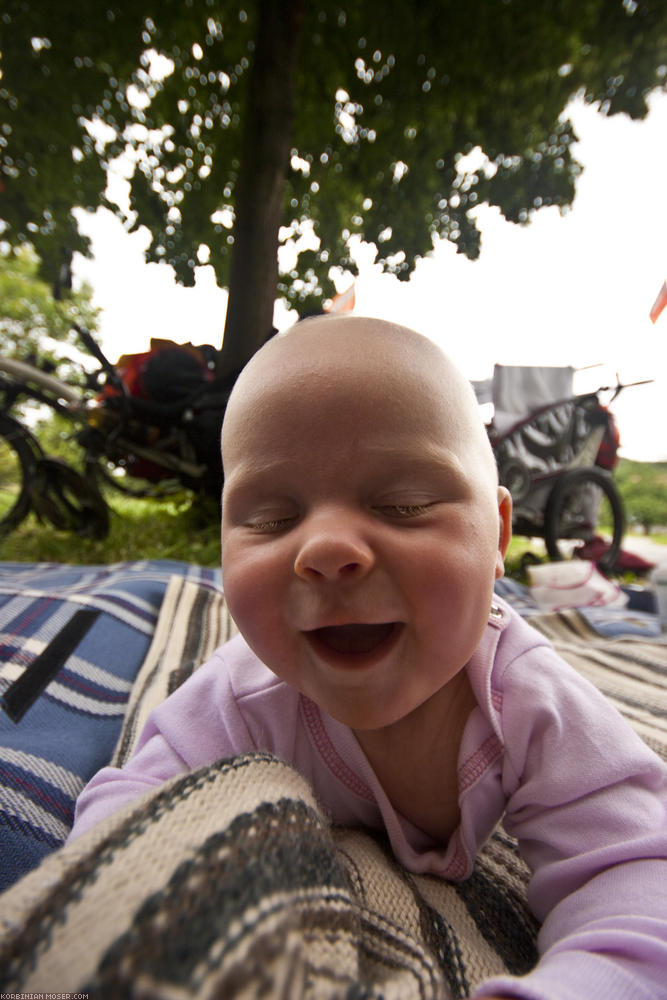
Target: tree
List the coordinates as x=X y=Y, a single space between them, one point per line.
x=643 y=486
x=29 y=315
x=246 y=122
x=648 y=509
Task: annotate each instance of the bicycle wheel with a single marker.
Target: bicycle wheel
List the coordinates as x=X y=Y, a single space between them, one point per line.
x=584 y=504
x=17 y=470
x=69 y=501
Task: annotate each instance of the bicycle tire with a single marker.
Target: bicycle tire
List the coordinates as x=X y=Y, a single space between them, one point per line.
x=68 y=501
x=17 y=470
x=566 y=499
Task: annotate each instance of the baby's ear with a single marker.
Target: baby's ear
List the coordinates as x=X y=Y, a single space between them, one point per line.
x=504 y=528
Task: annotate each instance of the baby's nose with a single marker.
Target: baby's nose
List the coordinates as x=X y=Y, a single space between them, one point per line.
x=334 y=551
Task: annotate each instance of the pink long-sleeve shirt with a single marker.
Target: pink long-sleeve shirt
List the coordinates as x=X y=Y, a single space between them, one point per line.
x=543 y=750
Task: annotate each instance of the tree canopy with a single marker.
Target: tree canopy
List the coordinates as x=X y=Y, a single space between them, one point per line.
x=241 y=124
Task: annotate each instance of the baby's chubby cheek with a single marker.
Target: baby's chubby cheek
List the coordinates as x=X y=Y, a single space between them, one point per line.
x=250 y=593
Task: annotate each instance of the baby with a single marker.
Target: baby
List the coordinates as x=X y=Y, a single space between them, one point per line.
x=363 y=528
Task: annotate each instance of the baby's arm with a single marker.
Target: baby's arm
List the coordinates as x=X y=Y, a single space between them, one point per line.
x=196 y=725
x=112 y=788
x=588 y=804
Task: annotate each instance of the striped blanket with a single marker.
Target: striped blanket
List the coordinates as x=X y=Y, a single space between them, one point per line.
x=630 y=671
x=230 y=881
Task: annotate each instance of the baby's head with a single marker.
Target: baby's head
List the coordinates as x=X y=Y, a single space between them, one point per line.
x=363 y=526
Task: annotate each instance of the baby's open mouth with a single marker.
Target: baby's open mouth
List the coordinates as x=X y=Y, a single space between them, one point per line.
x=354 y=639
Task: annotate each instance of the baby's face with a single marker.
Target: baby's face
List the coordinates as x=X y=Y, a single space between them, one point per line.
x=360 y=532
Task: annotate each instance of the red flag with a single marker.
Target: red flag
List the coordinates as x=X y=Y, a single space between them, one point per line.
x=343 y=302
x=659 y=303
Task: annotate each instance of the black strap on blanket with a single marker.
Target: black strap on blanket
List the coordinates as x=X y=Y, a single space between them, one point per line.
x=20 y=695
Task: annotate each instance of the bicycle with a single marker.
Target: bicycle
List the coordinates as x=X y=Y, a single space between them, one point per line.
x=143 y=447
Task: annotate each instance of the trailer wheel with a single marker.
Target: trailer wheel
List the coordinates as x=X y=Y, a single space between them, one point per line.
x=584 y=503
x=517 y=477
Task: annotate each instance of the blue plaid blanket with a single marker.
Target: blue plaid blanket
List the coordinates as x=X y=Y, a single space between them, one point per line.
x=72 y=639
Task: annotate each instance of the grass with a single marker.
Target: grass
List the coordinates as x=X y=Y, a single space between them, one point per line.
x=519 y=546
x=180 y=528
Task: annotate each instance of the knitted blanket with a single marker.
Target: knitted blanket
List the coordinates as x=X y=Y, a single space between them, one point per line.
x=231 y=882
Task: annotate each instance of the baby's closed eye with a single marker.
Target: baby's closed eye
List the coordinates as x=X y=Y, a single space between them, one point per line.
x=270 y=524
x=269 y=517
x=403 y=510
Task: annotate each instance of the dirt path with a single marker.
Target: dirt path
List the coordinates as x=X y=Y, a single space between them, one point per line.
x=645 y=547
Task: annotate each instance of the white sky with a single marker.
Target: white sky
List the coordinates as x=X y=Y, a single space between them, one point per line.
x=573 y=290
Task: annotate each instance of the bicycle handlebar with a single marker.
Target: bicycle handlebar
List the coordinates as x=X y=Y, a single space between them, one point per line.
x=618 y=388
x=94 y=348
x=92 y=345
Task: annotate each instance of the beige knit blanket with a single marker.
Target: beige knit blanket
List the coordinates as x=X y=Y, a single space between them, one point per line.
x=230 y=882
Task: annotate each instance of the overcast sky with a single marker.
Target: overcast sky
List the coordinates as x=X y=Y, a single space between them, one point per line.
x=573 y=290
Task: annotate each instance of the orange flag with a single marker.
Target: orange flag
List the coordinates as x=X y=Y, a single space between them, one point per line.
x=343 y=302
x=659 y=303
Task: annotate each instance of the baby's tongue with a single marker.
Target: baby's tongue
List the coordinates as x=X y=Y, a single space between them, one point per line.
x=354 y=638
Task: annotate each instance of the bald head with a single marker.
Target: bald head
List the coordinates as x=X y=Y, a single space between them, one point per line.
x=362 y=358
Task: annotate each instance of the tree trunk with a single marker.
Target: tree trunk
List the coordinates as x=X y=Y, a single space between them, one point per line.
x=261 y=185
